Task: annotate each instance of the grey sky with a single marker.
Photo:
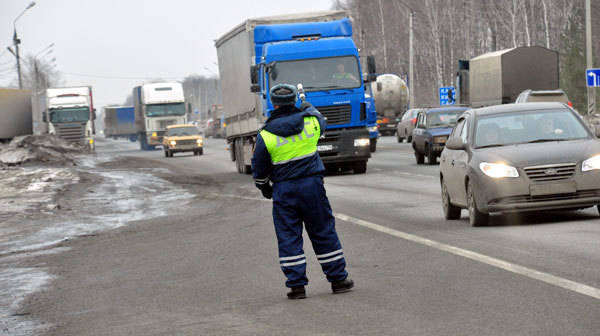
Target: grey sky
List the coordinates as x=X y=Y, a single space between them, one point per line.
x=129 y=38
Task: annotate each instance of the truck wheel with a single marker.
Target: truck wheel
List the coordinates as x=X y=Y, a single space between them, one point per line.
x=359 y=167
x=476 y=217
x=409 y=139
x=400 y=139
x=373 y=145
x=420 y=157
x=201 y=151
x=431 y=156
x=166 y=154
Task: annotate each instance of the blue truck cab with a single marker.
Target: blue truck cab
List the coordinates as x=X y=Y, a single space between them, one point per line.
x=431 y=131
x=323 y=58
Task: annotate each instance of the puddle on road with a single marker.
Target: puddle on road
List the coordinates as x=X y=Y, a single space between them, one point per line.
x=122 y=196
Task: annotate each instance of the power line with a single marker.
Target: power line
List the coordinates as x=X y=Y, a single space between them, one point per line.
x=117 y=77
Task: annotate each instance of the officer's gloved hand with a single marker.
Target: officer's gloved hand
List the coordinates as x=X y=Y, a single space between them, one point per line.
x=305 y=105
x=266 y=190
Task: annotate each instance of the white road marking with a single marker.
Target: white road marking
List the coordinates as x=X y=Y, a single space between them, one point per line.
x=507 y=266
x=498 y=263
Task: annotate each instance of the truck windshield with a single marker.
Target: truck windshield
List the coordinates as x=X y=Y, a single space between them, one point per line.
x=159 y=110
x=317 y=74
x=72 y=114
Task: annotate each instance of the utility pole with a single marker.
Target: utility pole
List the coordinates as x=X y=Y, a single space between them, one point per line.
x=17 y=41
x=591 y=91
x=411 y=63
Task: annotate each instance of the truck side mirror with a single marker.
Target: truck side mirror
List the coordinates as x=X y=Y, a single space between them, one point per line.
x=253 y=74
x=371 y=69
x=94 y=114
x=255 y=88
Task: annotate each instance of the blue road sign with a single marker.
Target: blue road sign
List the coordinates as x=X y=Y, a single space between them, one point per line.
x=593 y=77
x=196 y=111
x=444 y=95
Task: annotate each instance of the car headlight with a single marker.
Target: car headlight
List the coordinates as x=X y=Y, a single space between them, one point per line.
x=591 y=163
x=153 y=134
x=173 y=142
x=440 y=139
x=361 y=142
x=498 y=170
x=199 y=141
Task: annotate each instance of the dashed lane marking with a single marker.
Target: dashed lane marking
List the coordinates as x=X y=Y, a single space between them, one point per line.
x=550 y=279
x=507 y=266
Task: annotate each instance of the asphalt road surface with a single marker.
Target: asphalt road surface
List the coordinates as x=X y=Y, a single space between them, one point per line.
x=210 y=267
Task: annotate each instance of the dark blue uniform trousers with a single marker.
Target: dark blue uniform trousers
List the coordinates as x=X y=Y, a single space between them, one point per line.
x=304 y=200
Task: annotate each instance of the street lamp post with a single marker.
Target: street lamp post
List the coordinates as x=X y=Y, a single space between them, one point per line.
x=17 y=41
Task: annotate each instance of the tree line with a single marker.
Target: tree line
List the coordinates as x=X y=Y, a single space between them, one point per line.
x=446 y=31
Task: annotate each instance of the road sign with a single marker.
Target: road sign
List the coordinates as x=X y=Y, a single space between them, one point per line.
x=593 y=77
x=446 y=93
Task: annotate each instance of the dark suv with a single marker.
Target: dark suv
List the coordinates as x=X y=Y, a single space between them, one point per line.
x=432 y=130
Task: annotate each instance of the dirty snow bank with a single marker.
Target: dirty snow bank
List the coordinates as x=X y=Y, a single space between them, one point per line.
x=40 y=149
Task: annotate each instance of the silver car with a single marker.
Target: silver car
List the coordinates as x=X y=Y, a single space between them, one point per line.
x=405 y=127
x=519 y=157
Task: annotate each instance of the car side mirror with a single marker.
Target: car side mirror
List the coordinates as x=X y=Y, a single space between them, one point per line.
x=456 y=144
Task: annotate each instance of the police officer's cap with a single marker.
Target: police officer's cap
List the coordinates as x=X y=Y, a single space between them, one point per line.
x=283 y=94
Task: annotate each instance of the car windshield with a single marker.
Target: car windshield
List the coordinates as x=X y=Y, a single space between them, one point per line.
x=442 y=119
x=317 y=74
x=182 y=131
x=159 y=110
x=74 y=114
x=528 y=127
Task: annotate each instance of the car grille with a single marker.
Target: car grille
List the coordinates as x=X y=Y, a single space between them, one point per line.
x=71 y=132
x=543 y=198
x=552 y=172
x=186 y=142
x=336 y=114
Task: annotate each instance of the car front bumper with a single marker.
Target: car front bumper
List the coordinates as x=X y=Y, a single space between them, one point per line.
x=522 y=194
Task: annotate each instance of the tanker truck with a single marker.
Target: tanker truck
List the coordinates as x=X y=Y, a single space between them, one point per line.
x=391 y=100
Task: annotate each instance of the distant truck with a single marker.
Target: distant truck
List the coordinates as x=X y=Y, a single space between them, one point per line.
x=15 y=113
x=314 y=49
x=391 y=100
x=119 y=122
x=70 y=114
x=157 y=106
x=499 y=77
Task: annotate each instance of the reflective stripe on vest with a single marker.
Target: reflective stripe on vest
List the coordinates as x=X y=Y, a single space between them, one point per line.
x=299 y=146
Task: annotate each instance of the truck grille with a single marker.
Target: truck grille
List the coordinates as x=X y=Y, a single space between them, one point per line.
x=162 y=124
x=336 y=114
x=551 y=172
x=71 y=132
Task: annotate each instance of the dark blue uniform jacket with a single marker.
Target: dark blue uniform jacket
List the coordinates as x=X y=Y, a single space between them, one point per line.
x=284 y=122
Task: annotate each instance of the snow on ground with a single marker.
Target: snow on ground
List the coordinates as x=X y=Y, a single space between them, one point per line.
x=30 y=222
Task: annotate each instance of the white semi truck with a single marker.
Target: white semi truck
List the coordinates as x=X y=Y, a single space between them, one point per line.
x=157 y=105
x=70 y=114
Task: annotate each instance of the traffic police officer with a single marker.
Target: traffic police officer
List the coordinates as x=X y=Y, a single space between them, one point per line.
x=286 y=156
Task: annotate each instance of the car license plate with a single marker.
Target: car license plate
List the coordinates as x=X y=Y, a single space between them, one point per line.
x=565 y=187
x=391 y=126
x=324 y=148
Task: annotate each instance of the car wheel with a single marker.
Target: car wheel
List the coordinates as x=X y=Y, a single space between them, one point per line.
x=201 y=151
x=450 y=211
x=420 y=157
x=431 y=156
x=166 y=154
x=373 y=145
x=400 y=139
x=476 y=217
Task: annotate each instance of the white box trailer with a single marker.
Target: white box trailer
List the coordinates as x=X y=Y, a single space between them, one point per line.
x=15 y=113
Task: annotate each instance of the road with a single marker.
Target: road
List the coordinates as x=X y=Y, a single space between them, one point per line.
x=211 y=267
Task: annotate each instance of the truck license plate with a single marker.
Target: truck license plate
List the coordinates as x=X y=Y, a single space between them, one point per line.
x=324 y=148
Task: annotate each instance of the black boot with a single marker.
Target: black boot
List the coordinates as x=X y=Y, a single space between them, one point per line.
x=297 y=293
x=342 y=286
